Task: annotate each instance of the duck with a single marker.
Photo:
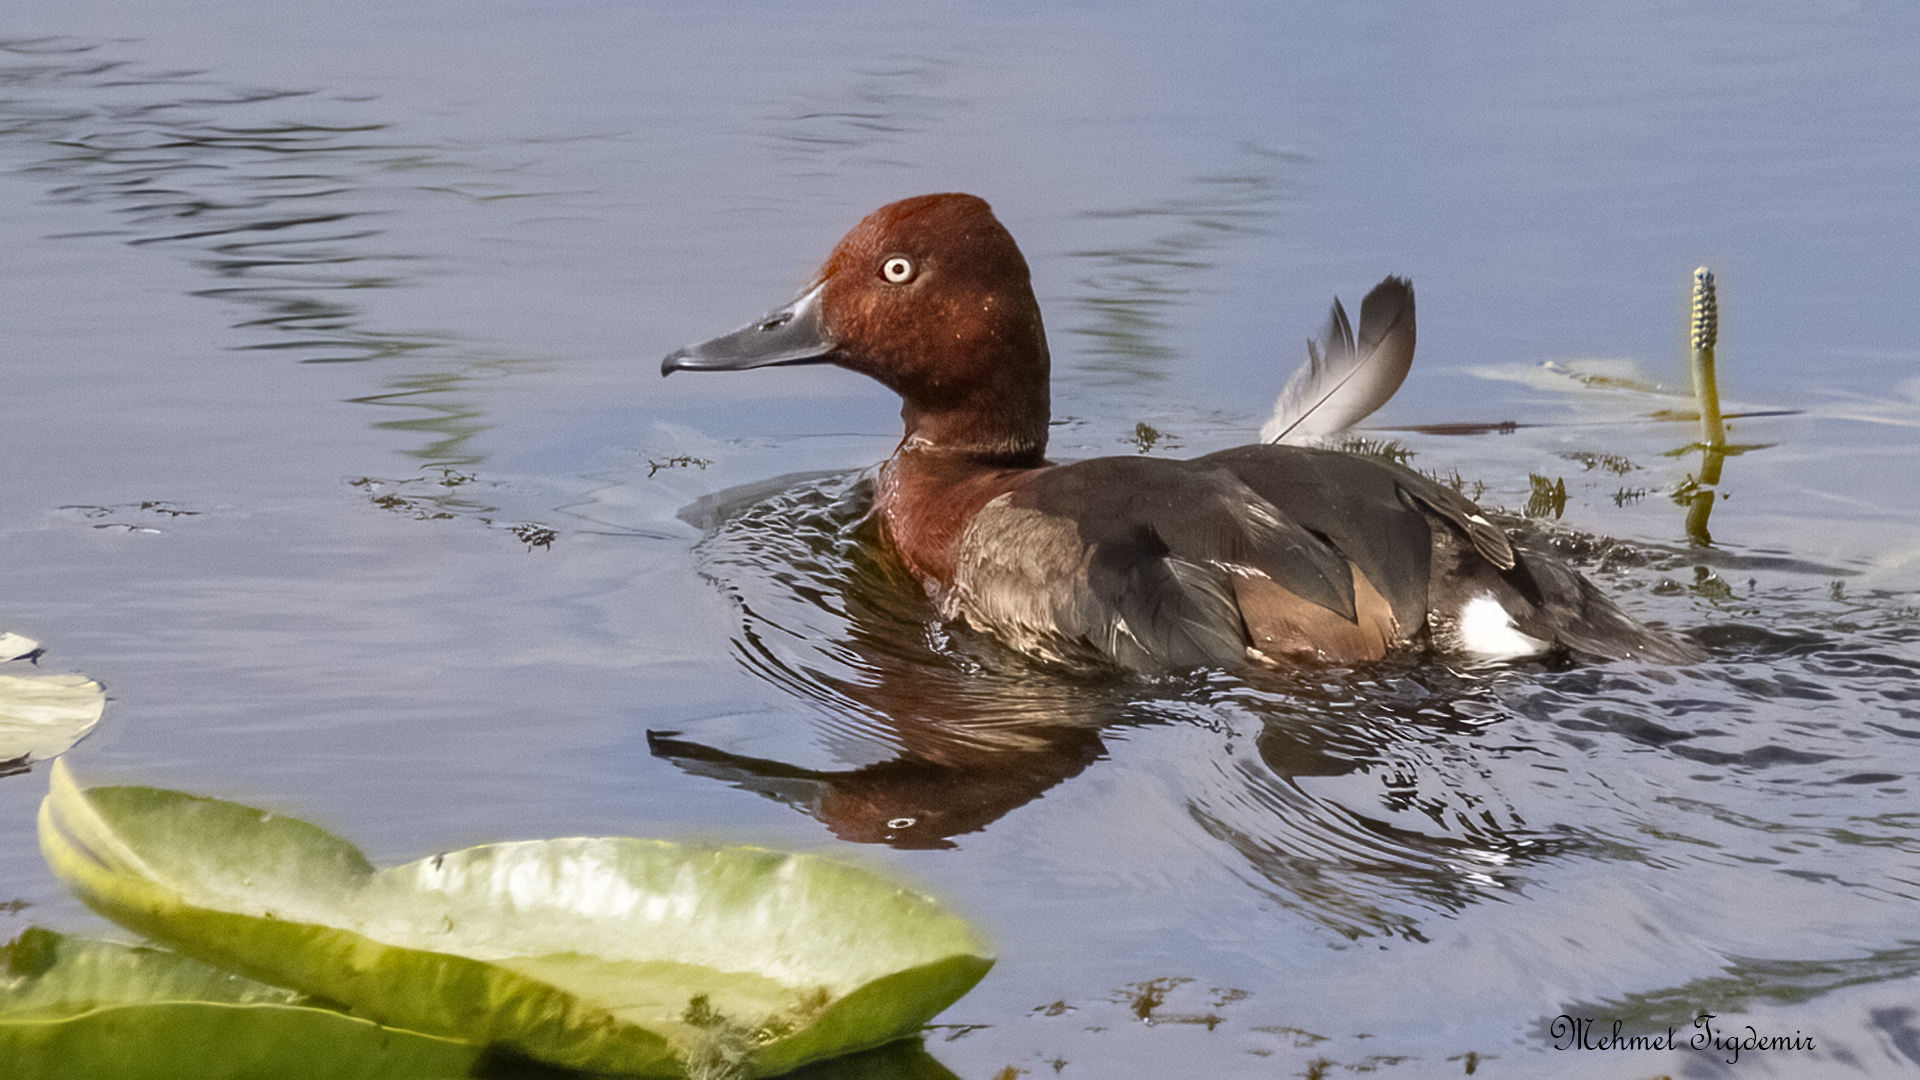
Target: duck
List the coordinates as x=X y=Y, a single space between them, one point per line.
x=1271 y=555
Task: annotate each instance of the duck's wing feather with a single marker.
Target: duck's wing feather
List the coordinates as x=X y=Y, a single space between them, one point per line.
x=1439 y=550
x=1260 y=550
x=1156 y=564
x=1378 y=516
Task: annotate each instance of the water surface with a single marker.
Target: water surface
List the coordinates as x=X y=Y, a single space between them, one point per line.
x=337 y=452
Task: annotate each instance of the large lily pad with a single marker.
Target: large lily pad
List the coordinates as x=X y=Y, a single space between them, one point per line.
x=70 y=1007
x=612 y=955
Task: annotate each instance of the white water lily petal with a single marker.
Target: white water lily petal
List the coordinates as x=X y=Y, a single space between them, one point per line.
x=44 y=715
x=13 y=646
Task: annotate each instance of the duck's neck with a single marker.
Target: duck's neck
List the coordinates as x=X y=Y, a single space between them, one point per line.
x=1003 y=424
x=927 y=495
x=987 y=396
x=976 y=428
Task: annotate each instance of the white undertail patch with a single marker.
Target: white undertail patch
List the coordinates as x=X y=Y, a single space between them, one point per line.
x=1486 y=629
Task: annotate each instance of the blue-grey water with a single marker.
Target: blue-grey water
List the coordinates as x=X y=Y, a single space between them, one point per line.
x=334 y=445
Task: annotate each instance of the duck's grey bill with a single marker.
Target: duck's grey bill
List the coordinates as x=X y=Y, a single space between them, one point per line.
x=792 y=335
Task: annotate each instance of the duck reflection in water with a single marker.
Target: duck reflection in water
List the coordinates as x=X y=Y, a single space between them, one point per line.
x=916 y=800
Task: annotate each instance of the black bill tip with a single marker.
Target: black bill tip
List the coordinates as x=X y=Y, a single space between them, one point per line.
x=794 y=334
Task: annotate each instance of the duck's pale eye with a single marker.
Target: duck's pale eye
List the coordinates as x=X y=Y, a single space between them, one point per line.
x=898 y=269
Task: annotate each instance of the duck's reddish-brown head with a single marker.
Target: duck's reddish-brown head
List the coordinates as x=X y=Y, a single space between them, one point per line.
x=931 y=296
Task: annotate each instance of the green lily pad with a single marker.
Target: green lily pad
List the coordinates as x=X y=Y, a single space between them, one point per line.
x=71 y=1007
x=610 y=955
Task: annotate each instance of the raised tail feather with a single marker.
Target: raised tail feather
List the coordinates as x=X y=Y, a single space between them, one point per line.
x=1346 y=377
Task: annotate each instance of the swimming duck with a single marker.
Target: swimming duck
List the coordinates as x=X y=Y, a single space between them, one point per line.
x=1260 y=555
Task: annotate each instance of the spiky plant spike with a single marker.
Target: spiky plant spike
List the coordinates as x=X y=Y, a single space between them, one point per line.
x=1706 y=330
